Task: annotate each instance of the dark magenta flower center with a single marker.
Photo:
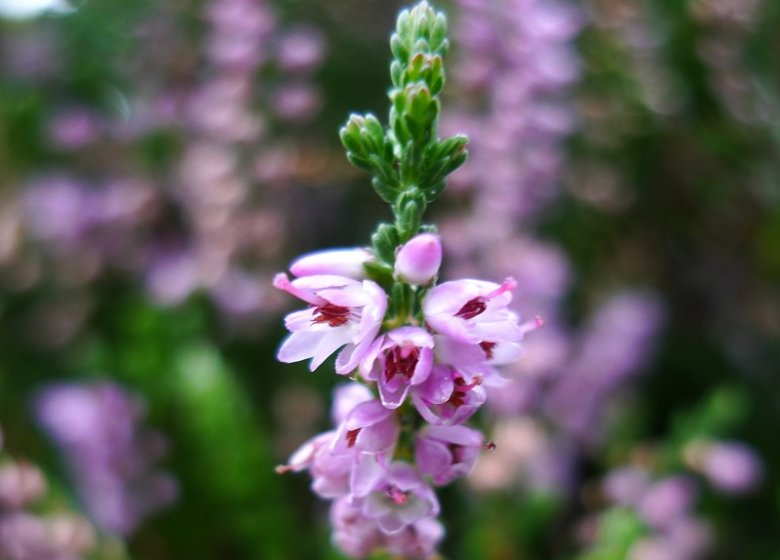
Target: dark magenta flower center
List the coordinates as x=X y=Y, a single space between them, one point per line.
x=334 y=315
x=472 y=308
x=401 y=360
x=488 y=348
x=351 y=436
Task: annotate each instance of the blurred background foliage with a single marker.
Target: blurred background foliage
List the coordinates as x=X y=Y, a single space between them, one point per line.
x=159 y=161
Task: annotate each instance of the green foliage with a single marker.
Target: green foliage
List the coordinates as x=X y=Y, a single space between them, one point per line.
x=409 y=163
x=618 y=530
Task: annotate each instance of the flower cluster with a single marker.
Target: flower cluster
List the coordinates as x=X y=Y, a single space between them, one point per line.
x=430 y=350
x=28 y=535
x=430 y=373
x=111 y=456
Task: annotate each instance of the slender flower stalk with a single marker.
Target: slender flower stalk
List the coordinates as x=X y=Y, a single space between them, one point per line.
x=426 y=350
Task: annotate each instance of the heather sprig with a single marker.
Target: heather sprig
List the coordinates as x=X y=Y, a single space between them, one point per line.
x=409 y=163
x=418 y=351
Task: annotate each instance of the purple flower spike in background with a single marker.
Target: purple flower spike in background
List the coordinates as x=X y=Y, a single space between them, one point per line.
x=110 y=455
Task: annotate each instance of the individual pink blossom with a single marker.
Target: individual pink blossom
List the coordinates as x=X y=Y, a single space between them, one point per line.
x=358 y=536
x=301 y=50
x=731 y=466
x=20 y=483
x=417 y=541
x=350 y=459
x=456 y=353
x=397 y=361
x=447 y=452
x=400 y=499
x=449 y=396
x=338 y=262
x=346 y=397
x=626 y=486
x=24 y=536
x=418 y=261
x=667 y=501
x=368 y=428
x=354 y=533
x=473 y=311
x=343 y=313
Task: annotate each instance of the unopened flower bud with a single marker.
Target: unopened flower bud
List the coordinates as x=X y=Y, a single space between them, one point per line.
x=337 y=262
x=418 y=261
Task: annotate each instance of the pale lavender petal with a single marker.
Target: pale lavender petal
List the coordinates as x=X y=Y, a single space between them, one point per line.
x=299 y=346
x=366 y=414
x=431 y=456
x=338 y=262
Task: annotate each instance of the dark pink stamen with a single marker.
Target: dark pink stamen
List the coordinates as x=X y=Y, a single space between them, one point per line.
x=401 y=361
x=333 y=315
x=488 y=348
x=472 y=308
x=351 y=437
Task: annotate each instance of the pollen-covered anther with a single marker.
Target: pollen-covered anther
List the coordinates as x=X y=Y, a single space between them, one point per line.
x=333 y=315
x=489 y=445
x=472 y=308
x=487 y=347
x=283 y=469
x=401 y=360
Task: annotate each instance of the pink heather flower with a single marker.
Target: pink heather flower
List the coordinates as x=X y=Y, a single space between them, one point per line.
x=348 y=459
x=330 y=475
x=418 y=261
x=456 y=353
x=447 y=452
x=368 y=437
x=20 y=483
x=353 y=532
x=473 y=311
x=626 y=486
x=337 y=262
x=346 y=397
x=667 y=501
x=301 y=50
x=397 y=361
x=368 y=428
x=449 y=396
x=399 y=499
x=731 y=467
x=342 y=312
x=417 y=541
x=57 y=537
x=358 y=536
